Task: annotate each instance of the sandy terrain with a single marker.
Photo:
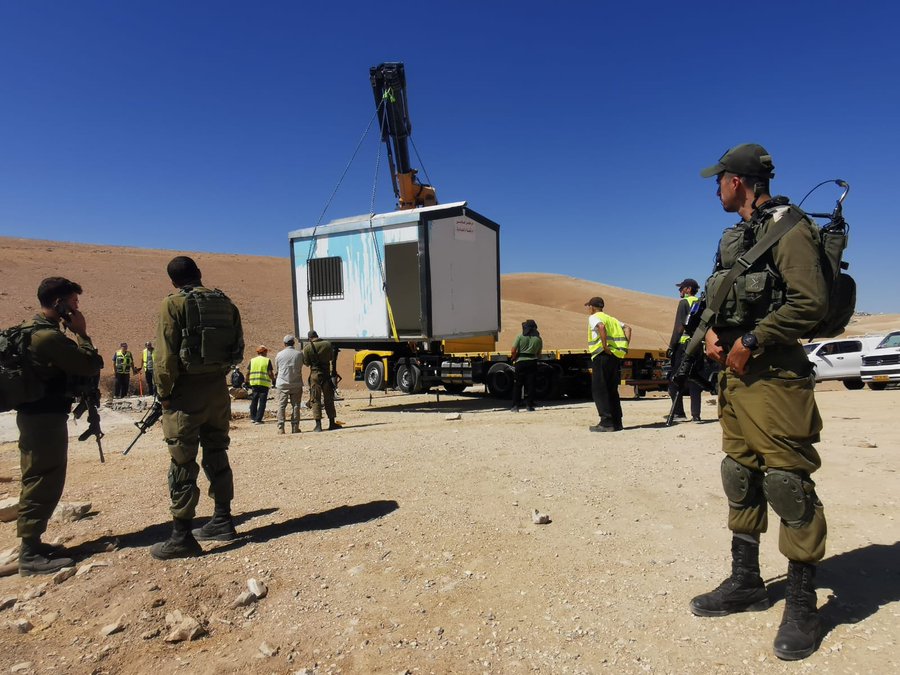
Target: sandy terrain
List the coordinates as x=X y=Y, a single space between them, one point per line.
x=405 y=543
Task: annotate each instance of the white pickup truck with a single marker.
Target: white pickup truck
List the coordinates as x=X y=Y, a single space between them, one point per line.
x=841 y=358
x=881 y=365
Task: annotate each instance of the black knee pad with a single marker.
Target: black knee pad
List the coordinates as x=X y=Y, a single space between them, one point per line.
x=742 y=486
x=791 y=495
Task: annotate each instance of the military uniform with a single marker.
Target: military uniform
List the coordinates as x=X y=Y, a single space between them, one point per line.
x=766 y=400
x=199 y=412
x=43 y=434
x=317 y=355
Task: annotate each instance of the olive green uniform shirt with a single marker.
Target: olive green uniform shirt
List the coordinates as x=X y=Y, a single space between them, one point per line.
x=317 y=355
x=528 y=347
x=166 y=363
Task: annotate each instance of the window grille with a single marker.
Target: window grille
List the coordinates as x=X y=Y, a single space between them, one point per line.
x=325 y=278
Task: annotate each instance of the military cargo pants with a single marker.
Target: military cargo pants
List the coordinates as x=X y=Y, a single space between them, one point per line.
x=199 y=415
x=321 y=387
x=43 y=446
x=770 y=420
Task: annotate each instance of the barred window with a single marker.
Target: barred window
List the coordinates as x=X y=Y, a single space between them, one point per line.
x=325 y=278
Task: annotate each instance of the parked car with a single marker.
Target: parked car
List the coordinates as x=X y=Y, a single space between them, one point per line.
x=841 y=358
x=881 y=365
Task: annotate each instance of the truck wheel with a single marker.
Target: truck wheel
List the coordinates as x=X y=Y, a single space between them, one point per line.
x=454 y=388
x=500 y=380
x=877 y=386
x=854 y=383
x=409 y=378
x=374 y=375
x=546 y=383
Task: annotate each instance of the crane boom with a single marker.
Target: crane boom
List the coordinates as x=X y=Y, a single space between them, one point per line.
x=389 y=88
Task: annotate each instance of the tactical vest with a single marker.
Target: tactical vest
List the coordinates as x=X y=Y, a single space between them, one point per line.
x=259 y=372
x=760 y=290
x=615 y=337
x=123 y=362
x=691 y=300
x=209 y=338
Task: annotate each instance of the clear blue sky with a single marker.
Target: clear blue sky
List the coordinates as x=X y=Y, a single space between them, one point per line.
x=580 y=127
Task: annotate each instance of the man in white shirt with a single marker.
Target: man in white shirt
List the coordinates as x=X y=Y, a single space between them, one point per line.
x=289 y=383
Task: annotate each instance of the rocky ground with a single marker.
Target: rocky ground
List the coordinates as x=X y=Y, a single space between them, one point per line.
x=404 y=543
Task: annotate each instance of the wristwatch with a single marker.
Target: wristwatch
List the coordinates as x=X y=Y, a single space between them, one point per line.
x=750 y=341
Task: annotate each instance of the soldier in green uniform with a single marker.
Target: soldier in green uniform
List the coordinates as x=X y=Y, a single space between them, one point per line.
x=199 y=337
x=767 y=407
x=318 y=355
x=43 y=433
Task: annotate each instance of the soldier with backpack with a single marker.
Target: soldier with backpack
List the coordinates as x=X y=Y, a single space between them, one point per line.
x=55 y=362
x=767 y=407
x=199 y=338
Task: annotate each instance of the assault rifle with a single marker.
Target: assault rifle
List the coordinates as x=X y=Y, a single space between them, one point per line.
x=691 y=366
x=150 y=418
x=89 y=402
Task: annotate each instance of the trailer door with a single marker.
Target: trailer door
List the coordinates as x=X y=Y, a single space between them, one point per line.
x=401 y=269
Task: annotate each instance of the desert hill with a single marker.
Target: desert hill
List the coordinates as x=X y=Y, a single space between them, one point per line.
x=123 y=287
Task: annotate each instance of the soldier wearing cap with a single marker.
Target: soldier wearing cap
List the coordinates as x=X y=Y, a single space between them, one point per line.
x=289 y=383
x=607 y=343
x=767 y=407
x=677 y=343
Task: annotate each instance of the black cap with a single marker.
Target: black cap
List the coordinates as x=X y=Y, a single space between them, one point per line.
x=688 y=282
x=596 y=301
x=748 y=159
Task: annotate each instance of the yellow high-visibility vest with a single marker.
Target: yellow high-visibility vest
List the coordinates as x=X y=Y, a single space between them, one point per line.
x=692 y=300
x=148 y=357
x=259 y=372
x=123 y=362
x=615 y=336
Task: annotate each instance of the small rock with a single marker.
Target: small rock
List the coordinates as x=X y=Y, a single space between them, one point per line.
x=243 y=600
x=150 y=634
x=9 y=555
x=453 y=416
x=63 y=574
x=258 y=588
x=36 y=592
x=866 y=444
x=23 y=625
x=6 y=603
x=267 y=650
x=116 y=627
x=69 y=512
x=539 y=518
x=188 y=629
x=157 y=602
x=21 y=667
x=87 y=567
x=9 y=509
x=48 y=620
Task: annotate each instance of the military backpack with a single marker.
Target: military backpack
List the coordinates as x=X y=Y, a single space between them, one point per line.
x=19 y=383
x=209 y=340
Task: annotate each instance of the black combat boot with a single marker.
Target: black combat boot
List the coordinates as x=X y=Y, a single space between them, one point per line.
x=180 y=545
x=36 y=557
x=332 y=425
x=318 y=425
x=218 y=528
x=743 y=591
x=798 y=634
x=295 y=427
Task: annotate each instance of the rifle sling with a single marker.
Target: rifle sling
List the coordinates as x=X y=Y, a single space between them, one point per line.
x=780 y=228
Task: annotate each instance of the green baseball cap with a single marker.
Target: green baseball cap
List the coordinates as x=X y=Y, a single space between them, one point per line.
x=748 y=159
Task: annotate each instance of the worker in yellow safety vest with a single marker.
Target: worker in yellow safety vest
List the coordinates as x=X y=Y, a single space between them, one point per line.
x=147 y=366
x=123 y=365
x=261 y=378
x=607 y=343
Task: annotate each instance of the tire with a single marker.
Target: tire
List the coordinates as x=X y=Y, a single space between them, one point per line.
x=500 y=380
x=374 y=375
x=454 y=388
x=853 y=383
x=409 y=378
x=546 y=383
x=877 y=386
